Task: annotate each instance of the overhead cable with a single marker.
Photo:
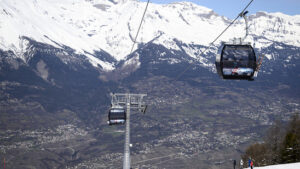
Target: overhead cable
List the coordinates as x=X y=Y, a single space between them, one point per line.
x=216 y=38
x=137 y=33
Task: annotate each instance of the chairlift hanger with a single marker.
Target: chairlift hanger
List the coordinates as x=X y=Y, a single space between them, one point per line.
x=238 y=59
x=212 y=43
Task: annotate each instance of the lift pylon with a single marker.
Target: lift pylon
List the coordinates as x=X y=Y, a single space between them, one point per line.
x=130 y=101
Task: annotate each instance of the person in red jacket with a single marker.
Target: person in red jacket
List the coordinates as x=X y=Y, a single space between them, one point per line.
x=251 y=164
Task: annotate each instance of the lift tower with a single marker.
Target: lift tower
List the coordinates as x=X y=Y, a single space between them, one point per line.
x=130 y=101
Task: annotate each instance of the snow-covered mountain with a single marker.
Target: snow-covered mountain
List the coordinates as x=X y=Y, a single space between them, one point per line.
x=90 y=26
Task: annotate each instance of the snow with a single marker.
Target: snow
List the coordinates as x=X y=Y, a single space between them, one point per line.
x=95 y=62
x=268 y=56
x=110 y=25
x=134 y=61
x=194 y=53
x=281 y=166
x=168 y=42
x=170 y=60
x=43 y=22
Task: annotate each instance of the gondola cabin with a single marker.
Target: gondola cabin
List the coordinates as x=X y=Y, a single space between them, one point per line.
x=116 y=116
x=236 y=62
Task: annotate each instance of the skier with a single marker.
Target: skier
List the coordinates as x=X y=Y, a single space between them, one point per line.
x=241 y=164
x=251 y=164
x=234 y=164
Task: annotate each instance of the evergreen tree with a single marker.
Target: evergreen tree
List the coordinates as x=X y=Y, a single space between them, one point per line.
x=273 y=141
x=281 y=145
x=290 y=151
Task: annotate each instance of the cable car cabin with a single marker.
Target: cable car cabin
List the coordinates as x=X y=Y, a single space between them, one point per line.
x=116 y=116
x=236 y=62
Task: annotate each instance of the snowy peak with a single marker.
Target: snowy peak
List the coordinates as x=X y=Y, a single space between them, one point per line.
x=46 y=22
x=77 y=24
x=277 y=27
x=88 y=26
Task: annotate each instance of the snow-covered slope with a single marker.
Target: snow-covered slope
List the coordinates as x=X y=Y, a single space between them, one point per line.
x=110 y=25
x=281 y=166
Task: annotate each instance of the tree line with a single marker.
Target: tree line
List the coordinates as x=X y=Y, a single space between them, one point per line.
x=281 y=145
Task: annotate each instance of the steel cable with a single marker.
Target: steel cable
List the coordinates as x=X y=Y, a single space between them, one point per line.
x=137 y=34
x=216 y=39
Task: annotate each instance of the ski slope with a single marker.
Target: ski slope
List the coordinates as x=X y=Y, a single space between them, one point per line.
x=281 y=166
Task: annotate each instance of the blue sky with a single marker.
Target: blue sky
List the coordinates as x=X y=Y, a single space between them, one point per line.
x=230 y=8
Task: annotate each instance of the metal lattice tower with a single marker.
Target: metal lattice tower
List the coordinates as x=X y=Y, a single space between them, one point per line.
x=130 y=101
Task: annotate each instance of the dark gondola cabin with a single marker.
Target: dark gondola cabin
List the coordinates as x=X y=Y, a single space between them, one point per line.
x=116 y=116
x=236 y=62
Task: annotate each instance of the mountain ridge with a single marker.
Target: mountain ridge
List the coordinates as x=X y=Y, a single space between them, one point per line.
x=113 y=33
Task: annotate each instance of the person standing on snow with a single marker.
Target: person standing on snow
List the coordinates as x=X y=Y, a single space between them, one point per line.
x=234 y=164
x=251 y=164
x=241 y=164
